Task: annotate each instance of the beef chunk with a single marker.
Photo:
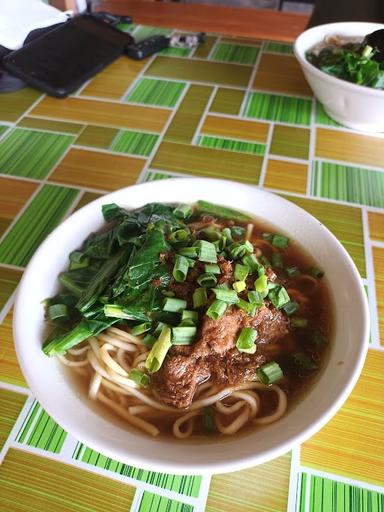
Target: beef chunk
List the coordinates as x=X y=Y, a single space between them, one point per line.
x=215 y=356
x=176 y=381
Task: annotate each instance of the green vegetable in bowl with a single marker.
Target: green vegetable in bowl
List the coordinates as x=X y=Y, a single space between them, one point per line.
x=359 y=63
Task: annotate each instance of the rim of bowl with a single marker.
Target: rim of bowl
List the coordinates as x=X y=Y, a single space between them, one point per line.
x=80 y=432
x=334 y=29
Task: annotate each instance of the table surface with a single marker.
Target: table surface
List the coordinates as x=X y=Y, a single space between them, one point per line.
x=232 y=109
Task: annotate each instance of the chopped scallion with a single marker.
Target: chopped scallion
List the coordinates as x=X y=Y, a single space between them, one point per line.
x=212 y=268
x=261 y=285
x=227 y=296
x=188 y=252
x=149 y=340
x=237 y=231
x=208 y=419
x=199 y=297
x=211 y=234
x=159 y=350
x=304 y=361
x=251 y=261
x=207 y=280
x=316 y=272
x=248 y=307
x=180 y=268
x=277 y=260
x=239 y=286
x=292 y=271
x=140 y=329
x=180 y=235
x=280 y=241
x=241 y=272
x=238 y=250
x=174 y=305
x=206 y=251
x=183 y=335
x=182 y=211
x=278 y=296
x=216 y=309
x=246 y=340
x=190 y=315
x=228 y=235
x=255 y=298
x=140 y=378
x=291 y=307
x=318 y=340
x=269 y=373
x=297 y=321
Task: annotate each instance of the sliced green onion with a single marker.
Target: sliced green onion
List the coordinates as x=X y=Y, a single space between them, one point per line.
x=199 y=297
x=188 y=252
x=271 y=285
x=277 y=260
x=208 y=419
x=212 y=268
x=269 y=373
x=255 y=298
x=291 y=307
x=297 y=321
x=318 y=339
x=180 y=268
x=207 y=280
x=237 y=231
x=180 y=235
x=182 y=211
x=251 y=261
x=140 y=378
x=278 y=296
x=216 y=309
x=267 y=236
x=238 y=250
x=261 y=285
x=224 y=285
x=174 y=305
x=246 y=341
x=228 y=235
x=159 y=328
x=228 y=296
x=211 y=234
x=316 y=272
x=167 y=293
x=183 y=335
x=159 y=350
x=141 y=328
x=190 y=315
x=191 y=263
x=261 y=270
x=292 y=271
x=241 y=272
x=206 y=251
x=149 y=340
x=280 y=241
x=304 y=361
x=239 y=286
x=58 y=312
x=248 y=307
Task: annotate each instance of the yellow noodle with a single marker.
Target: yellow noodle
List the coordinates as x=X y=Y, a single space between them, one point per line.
x=187 y=418
x=68 y=362
x=134 y=420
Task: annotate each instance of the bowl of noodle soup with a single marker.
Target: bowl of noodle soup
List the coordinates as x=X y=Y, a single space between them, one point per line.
x=90 y=389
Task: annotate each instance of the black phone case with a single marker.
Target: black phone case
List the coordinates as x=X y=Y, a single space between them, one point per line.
x=10 y=61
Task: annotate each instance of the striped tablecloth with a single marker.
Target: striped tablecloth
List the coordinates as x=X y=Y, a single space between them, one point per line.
x=230 y=109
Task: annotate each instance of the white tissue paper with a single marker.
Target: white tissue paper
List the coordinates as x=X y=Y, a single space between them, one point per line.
x=19 y=17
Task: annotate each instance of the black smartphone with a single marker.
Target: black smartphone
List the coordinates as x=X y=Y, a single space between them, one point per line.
x=61 y=60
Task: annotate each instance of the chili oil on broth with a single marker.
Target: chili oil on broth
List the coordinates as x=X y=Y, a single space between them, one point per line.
x=318 y=309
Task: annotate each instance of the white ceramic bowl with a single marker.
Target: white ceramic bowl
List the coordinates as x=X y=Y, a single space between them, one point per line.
x=355 y=106
x=77 y=415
